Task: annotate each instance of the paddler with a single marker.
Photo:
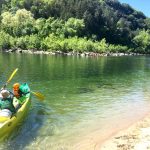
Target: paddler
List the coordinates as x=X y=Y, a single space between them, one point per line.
x=20 y=91
x=7 y=108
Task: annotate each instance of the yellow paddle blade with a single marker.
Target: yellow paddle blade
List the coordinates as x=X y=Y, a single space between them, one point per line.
x=12 y=75
x=38 y=95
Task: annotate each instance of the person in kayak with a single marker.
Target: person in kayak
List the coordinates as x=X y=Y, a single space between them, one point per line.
x=7 y=108
x=20 y=91
x=16 y=90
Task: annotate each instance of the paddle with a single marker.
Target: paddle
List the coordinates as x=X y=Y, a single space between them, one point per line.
x=38 y=95
x=11 y=76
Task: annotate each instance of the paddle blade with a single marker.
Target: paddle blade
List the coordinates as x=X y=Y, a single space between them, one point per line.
x=12 y=75
x=38 y=95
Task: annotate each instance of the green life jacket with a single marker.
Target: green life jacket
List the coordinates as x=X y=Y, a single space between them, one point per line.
x=24 y=89
x=7 y=104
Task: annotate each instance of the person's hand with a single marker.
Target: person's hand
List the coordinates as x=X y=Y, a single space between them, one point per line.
x=2 y=88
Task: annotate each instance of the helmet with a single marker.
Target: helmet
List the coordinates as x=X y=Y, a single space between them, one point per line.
x=5 y=93
x=16 y=86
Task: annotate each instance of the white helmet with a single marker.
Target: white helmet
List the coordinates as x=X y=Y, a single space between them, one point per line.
x=5 y=93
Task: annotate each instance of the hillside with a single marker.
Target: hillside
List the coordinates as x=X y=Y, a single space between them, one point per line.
x=79 y=20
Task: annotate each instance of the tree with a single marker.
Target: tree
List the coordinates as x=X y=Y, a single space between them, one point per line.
x=142 y=41
x=147 y=22
x=22 y=23
x=6 y=41
x=73 y=27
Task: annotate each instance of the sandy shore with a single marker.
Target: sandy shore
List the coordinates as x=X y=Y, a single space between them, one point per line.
x=136 y=137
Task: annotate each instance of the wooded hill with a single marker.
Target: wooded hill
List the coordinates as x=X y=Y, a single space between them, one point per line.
x=79 y=25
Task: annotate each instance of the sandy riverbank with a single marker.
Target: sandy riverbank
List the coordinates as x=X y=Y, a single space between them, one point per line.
x=136 y=137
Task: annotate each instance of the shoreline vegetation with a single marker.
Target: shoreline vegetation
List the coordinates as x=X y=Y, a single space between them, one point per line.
x=94 y=27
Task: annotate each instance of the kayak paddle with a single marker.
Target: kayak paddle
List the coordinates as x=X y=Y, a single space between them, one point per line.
x=12 y=75
x=38 y=95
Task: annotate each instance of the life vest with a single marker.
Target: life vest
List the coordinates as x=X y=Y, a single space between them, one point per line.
x=22 y=92
x=24 y=89
x=7 y=104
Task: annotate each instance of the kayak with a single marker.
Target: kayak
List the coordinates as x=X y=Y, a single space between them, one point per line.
x=8 y=126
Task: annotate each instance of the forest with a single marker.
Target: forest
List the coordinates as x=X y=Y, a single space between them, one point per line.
x=100 y=26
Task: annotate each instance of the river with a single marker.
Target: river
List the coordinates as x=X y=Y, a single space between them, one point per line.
x=86 y=99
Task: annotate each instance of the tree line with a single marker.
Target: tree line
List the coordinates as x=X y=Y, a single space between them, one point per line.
x=74 y=25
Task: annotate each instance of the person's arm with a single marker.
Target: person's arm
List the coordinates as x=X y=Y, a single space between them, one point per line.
x=11 y=93
x=0 y=104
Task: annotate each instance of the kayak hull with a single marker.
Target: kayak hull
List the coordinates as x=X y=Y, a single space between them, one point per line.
x=9 y=126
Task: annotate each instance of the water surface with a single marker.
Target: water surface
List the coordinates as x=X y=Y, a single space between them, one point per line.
x=85 y=98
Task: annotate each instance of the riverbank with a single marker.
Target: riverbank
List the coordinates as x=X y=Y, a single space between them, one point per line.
x=73 y=53
x=136 y=137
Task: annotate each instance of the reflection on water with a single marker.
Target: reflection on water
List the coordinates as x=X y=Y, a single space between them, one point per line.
x=83 y=96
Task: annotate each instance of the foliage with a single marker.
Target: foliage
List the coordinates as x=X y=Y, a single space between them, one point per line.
x=28 y=42
x=68 y=25
x=142 y=41
x=6 y=41
x=54 y=43
x=73 y=27
x=118 y=48
x=18 y=24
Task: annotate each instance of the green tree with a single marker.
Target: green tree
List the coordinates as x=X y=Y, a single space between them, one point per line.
x=73 y=27
x=147 y=21
x=22 y=23
x=6 y=41
x=142 y=41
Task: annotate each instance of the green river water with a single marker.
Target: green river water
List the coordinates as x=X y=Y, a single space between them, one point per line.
x=86 y=99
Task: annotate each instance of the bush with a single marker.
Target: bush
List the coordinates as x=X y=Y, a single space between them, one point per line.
x=29 y=42
x=6 y=41
x=118 y=48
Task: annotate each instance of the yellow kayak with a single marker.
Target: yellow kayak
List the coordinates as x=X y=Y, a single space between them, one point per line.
x=9 y=125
